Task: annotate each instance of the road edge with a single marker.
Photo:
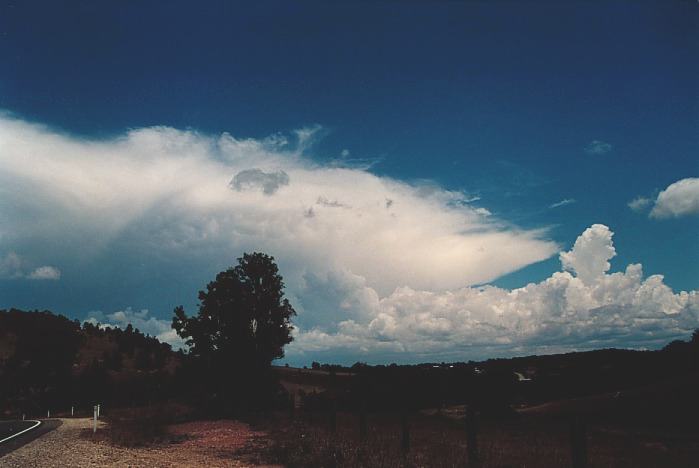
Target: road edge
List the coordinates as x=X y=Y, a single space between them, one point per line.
x=38 y=423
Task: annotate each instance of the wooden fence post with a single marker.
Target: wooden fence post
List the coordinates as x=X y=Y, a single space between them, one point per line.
x=333 y=415
x=362 y=421
x=578 y=443
x=471 y=435
x=405 y=439
x=292 y=408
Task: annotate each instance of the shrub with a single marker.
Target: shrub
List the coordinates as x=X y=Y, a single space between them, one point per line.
x=137 y=427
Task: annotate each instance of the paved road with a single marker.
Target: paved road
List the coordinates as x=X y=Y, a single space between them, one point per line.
x=8 y=428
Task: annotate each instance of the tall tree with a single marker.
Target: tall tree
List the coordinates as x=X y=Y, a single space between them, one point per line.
x=244 y=321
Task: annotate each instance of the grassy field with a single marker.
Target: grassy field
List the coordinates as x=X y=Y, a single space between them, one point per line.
x=648 y=426
x=440 y=441
x=619 y=433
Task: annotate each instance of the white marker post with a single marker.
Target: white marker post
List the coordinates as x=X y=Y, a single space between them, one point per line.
x=98 y=411
x=48 y=414
x=94 y=420
x=71 y=411
x=23 y=415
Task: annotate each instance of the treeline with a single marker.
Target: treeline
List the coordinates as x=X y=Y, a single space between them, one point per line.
x=496 y=386
x=48 y=361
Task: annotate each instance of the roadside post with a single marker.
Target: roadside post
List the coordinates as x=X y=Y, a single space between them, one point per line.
x=292 y=403
x=362 y=421
x=405 y=439
x=333 y=415
x=48 y=414
x=94 y=419
x=578 y=443
x=72 y=412
x=471 y=435
x=98 y=411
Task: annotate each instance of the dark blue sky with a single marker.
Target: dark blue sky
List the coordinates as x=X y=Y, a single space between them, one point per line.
x=496 y=99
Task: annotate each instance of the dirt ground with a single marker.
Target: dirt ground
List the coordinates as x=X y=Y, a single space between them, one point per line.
x=207 y=443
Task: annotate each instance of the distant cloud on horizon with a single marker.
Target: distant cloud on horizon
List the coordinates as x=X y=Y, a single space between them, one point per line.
x=582 y=307
x=141 y=320
x=12 y=266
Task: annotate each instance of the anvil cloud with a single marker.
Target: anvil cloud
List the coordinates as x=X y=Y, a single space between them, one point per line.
x=170 y=192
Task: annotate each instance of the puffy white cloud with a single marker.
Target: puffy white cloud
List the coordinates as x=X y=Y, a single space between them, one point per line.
x=598 y=147
x=588 y=308
x=589 y=257
x=639 y=204
x=12 y=266
x=678 y=199
x=45 y=273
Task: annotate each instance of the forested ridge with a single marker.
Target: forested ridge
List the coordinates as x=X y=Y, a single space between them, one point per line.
x=50 y=361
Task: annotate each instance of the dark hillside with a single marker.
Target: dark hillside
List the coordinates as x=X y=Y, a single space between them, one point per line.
x=48 y=361
x=664 y=378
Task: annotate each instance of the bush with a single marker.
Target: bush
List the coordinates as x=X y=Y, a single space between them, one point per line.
x=137 y=427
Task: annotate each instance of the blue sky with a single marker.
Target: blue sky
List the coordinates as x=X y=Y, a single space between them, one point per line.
x=516 y=107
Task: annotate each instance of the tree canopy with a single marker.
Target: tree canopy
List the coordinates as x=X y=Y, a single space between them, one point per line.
x=243 y=316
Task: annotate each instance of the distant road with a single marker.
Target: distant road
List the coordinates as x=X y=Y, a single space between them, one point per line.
x=14 y=434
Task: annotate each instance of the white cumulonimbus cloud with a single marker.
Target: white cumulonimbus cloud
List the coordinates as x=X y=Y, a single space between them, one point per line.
x=589 y=257
x=375 y=267
x=585 y=308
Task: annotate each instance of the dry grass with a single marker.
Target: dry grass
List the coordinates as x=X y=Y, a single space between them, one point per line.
x=438 y=442
x=139 y=427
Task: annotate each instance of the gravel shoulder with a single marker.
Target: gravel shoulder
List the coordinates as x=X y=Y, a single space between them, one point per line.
x=207 y=443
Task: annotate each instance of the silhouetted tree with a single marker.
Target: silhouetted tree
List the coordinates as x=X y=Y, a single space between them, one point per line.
x=243 y=324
